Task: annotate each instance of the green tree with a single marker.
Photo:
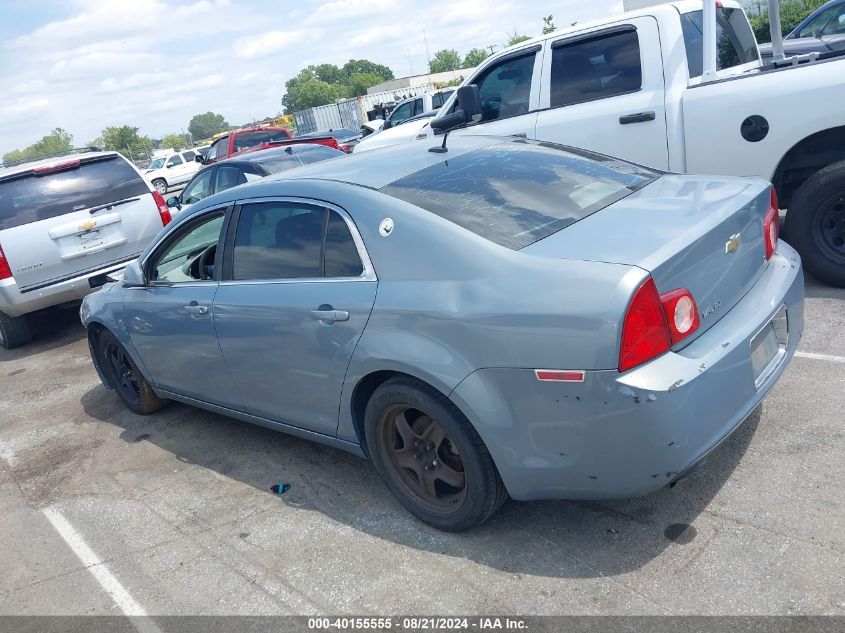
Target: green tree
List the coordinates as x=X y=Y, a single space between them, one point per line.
x=175 y=140
x=474 y=57
x=516 y=38
x=126 y=140
x=206 y=125
x=359 y=82
x=365 y=66
x=446 y=59
x=549 y=25
x=316 y=93
x=58 y=141
x=792 y=13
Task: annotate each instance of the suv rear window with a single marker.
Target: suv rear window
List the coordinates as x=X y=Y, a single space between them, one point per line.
x=251 y=139
x=735 y=40
x=94 y=182
x=519 y=192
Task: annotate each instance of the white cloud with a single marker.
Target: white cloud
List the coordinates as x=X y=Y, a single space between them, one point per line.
x=270 y=42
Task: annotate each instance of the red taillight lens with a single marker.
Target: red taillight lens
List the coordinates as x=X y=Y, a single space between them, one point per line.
x=645 y=333
x=681 y=313
x=163 y=209
x=771 y=226
x=5 y=269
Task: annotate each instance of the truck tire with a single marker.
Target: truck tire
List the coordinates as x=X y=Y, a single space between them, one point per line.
x=14 y=331
x=161 y=185
x=815 y=224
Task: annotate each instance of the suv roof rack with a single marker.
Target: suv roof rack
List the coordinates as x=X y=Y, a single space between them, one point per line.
x=30 y=159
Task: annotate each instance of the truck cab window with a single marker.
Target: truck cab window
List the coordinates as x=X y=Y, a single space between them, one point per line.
x=735 y=43
x=597 y=68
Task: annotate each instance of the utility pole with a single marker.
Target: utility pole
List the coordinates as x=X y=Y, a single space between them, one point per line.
x=427 y=53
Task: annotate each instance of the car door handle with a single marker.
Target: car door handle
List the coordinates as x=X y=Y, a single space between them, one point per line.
x=330 y=315
x=639 y=117
x=194 y=309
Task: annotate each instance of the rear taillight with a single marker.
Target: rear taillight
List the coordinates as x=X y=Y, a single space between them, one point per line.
x=771 y=225
x=681 y=313
x=163 y=209
x=645 y=333
x=654 y=322
x=345 y=148
x=5 y=269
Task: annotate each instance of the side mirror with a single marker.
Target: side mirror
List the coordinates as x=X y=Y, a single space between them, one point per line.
x=133 y=276
x=387 y=124
x=173 y=201
x=467 y=110
x=199 y=159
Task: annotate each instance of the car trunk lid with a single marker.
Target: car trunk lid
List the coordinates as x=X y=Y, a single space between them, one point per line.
x=699 y=233
x=76 y=216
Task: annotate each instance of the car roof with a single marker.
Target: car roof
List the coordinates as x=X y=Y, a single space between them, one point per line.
x=379 y=167
x=272 y=152
x=43 y=162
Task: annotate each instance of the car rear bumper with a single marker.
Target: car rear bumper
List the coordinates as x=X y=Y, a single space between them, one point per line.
x=625 y=435
x=14 y=303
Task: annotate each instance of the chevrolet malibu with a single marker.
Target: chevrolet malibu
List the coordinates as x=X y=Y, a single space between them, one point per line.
x=508 y=318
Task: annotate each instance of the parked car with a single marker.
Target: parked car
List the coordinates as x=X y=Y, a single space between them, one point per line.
x=243 y=139
x=346 y=139
x=65 y=223
x=823 y=31
x=247 y=167
x=510 y=317
x=414 y=129
x=407 y=110
x=634 y=85
x=174 y=169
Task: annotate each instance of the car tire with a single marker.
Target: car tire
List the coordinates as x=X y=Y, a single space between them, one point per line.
x=123 y=376
x=14 y=331
x=436 y=465
x=161 y=185
x=815 y=224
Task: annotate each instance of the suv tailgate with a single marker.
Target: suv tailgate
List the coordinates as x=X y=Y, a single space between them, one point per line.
x=77 y=217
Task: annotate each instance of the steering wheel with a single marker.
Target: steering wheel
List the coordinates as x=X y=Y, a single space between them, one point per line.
x=206 y=261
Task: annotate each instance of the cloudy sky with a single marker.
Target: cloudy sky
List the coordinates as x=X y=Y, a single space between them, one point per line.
x=86 y=64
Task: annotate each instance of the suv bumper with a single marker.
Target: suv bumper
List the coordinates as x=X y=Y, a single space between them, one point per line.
x=15 y=303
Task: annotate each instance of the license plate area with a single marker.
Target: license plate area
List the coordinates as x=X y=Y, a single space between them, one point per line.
x=768 y=347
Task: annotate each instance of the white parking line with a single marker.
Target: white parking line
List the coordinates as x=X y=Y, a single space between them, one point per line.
x=828 y=357
x=101 y=573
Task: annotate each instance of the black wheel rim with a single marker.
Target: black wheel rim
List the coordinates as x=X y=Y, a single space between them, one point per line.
x=124 y=374
x=829 y=229
x=421 y=459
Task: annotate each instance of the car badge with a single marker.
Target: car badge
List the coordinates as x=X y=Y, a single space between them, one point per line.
x=86 y=226
x=385 y=227
x=733 y=243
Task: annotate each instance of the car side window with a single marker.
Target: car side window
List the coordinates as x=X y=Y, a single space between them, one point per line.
x=189 y=156
x=190 y=255
x=401 y=113
x=836 y=26
x=198 y=188
x=226 y=177
x=818 y=25
x=598 y=68
x=505 y=88
x=285 y=240
x=218 y=148
x=174 y=160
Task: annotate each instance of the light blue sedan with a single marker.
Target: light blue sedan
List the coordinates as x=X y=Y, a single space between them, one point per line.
x=507 y=318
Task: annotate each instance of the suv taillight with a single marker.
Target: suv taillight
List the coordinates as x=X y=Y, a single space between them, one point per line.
x=5 y=269
x=163 y=209
x=655 y=322
x=771 y=225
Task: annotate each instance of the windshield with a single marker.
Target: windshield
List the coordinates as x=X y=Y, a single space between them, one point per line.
x=519 y=192
x=251 y=139
x=158 y=163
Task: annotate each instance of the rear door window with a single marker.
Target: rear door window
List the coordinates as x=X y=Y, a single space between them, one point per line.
x=92 y=183
x=226 y=177
x=198 y=188
x=735 y=42
x=596 y=68
x=174 y=160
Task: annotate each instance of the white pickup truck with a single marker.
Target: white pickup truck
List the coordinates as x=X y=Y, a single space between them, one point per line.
x=643 y=86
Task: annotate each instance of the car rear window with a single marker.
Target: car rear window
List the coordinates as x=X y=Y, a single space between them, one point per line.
x=246 y=140
x=735 y=40
x=94 y=182
x=517 y=193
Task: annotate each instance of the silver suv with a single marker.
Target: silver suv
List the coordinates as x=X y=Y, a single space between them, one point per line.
x=65 y=223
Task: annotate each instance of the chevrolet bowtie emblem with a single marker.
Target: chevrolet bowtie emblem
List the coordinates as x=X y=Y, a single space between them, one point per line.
x=87 y=225
x=733 y=243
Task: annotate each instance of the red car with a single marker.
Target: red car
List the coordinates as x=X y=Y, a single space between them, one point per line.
x=253 y=139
